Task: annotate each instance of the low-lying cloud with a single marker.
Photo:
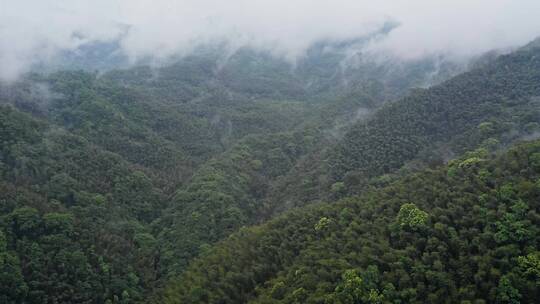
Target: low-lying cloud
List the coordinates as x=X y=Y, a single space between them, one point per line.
x=35 y=31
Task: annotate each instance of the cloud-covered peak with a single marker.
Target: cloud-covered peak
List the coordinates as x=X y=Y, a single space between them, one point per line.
x=34 y=32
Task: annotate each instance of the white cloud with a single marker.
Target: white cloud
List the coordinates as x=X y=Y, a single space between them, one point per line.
x=33 y=31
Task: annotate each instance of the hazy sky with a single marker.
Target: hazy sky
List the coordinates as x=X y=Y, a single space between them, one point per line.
x=33 y=31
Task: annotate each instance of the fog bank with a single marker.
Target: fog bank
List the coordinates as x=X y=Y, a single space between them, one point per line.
x=36 y=31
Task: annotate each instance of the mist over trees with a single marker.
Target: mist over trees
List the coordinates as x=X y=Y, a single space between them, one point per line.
x=143 y=160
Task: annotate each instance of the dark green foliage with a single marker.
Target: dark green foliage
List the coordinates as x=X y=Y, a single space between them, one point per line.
x=110 y=185
x=479 y=244
x=69 y=213
x=12 y=284
x=355 y=289
x=225 y=194
x=496 y=99
x=489 y=107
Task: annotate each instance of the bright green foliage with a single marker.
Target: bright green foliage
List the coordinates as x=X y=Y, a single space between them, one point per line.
x=506 y=293
x=323 y=224
x=530 y=265
x=350 y=290
x=469 y=162
x=410 y=217
x=356 y=290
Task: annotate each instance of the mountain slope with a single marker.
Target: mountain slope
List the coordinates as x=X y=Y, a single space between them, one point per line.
x=489 y=106
x=399 y=131
x=463 y=232
x=112 y=184
x=74 y=217
x=225 y=194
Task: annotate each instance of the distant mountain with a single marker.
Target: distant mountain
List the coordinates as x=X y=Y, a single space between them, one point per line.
x=490 y=106
x=92 y=57
x=494 y=100
x=327 y=69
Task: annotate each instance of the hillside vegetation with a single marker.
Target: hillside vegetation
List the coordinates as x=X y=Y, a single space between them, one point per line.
x=467 y=232
x=490 y=106
x=112 y=184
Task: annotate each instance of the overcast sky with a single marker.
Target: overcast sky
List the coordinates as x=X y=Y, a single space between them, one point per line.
x=33 y=31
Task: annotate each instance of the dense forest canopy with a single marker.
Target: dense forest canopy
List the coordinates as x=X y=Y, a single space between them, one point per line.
x=465 y=232
x=341 y=179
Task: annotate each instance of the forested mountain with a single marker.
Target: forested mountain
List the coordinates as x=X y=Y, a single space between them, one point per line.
x=113 y=182
x=104 y=161
x=489 y=106
x=73 y=217
x=489 y=98
x=467 y=232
